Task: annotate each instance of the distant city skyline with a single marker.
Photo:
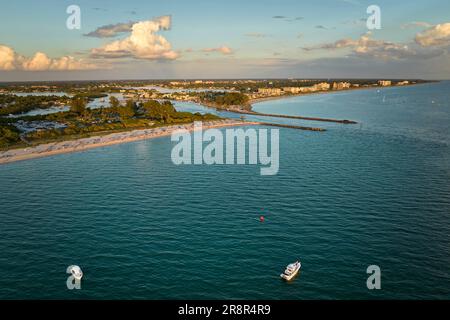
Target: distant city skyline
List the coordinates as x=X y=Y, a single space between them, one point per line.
x=218 y=40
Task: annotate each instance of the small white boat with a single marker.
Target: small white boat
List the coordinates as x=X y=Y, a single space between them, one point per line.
x=291 y=270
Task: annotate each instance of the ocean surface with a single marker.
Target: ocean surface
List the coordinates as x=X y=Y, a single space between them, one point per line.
x=140 y=227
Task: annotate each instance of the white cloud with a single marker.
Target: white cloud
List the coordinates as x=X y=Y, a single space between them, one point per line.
x=38 y=62
x=7 y=58
x=142 y=43
x=70 y=63
x=416 y=24
x=10 y=60
x=438 y=35
x=223 y=49
x=365 y=46
x=111 y=30
x=359 y=45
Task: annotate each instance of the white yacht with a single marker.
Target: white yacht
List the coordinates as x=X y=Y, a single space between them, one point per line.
x=291 y=270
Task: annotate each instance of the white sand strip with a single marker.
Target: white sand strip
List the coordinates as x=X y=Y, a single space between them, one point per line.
x=49 y=149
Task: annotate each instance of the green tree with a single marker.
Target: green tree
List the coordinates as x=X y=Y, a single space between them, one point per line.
x=149 y=105
x=78 y=105
x=114 y=102
x=132 y=107
x=159 y=111
x=8 y=135
x=125 y=112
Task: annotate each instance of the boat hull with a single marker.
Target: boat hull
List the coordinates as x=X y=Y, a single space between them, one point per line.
x=292 y=275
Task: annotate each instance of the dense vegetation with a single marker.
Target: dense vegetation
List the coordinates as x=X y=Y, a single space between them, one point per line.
x=224 y=98
x=9 y=135
x=81 y=121
x=91 y=95
x=13 y=104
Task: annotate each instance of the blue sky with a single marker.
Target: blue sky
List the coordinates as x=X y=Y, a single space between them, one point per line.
x=225 y=39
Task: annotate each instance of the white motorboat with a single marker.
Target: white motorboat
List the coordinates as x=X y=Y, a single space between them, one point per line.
x=291 y=270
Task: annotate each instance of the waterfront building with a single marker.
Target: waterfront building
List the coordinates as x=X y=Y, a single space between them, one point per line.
x=323 y=86
x=293 y=90
x=384 y=83
x=270 y=91
x=341 y=85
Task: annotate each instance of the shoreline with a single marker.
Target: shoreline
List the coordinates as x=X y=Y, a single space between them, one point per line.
x=259 y=100
x=252 y=102
x=69 y=146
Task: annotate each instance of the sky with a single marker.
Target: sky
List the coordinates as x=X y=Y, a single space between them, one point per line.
x=198 y=39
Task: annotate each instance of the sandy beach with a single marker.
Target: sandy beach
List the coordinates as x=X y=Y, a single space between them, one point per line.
x=54 y=148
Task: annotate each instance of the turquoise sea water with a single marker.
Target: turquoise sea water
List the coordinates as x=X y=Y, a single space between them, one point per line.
x=142 y=228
